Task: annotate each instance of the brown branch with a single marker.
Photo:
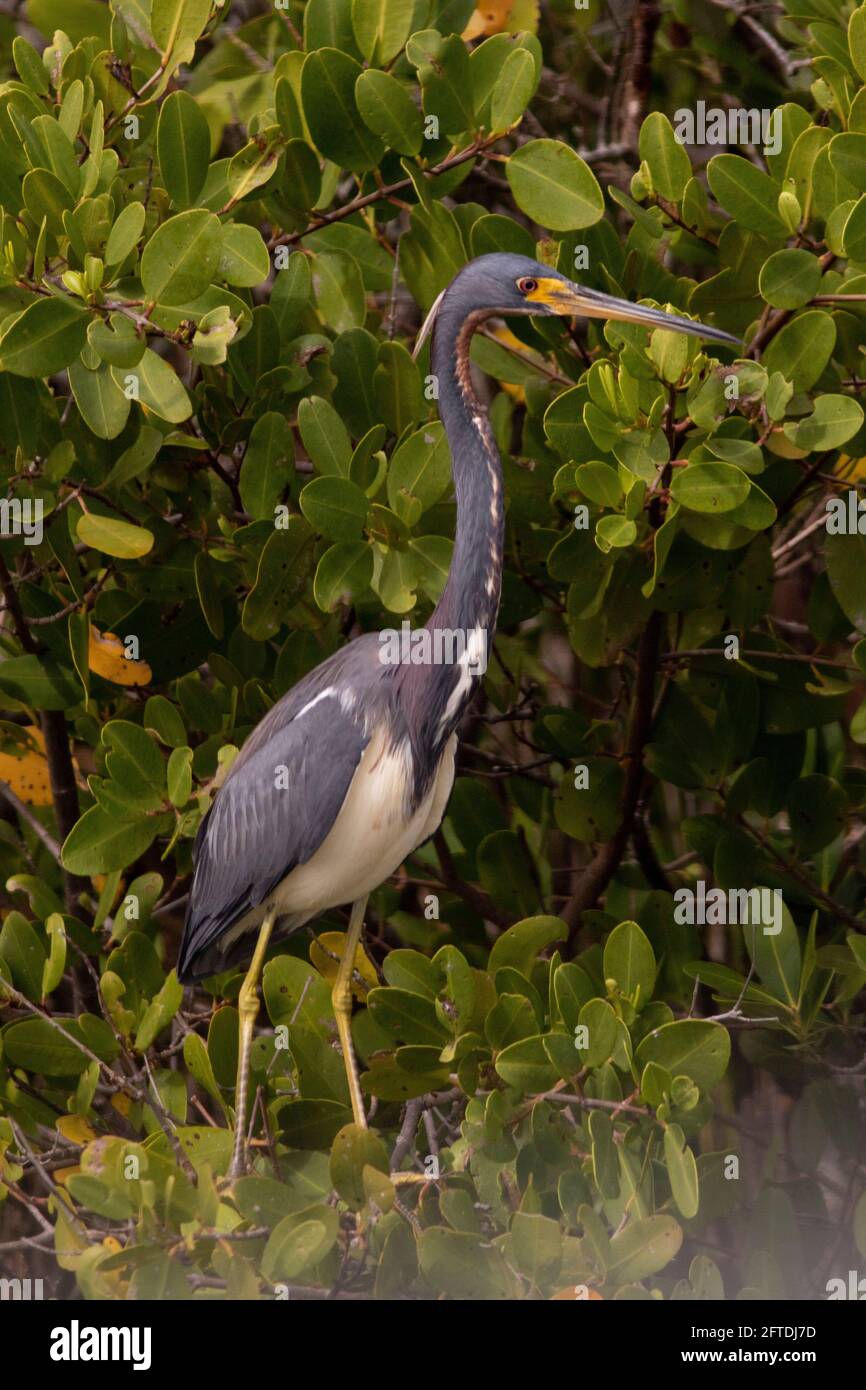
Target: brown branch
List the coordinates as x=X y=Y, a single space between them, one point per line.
x=386 y=190
x=475 y=897
x=606 y=860
x=645 y=18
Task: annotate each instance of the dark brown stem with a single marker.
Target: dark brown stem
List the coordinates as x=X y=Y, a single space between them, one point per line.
x=598 y=873
x=645 y=17
x=475 y=897
x=386 y=190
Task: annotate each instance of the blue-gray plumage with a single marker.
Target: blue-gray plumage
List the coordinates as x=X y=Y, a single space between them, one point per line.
x=352 y=769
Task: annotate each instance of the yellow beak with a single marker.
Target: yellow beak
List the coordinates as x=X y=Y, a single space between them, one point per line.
x=562 y=297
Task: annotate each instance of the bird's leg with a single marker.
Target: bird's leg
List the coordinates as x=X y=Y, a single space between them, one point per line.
x=342 y=1001
x=248 y=1008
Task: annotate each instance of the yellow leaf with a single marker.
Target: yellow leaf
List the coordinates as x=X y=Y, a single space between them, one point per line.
x=122 y=1104
x=502 y=16
x=490 y=17
x=107 y=658
x=326 y=952
x=76 y=1129
x=25 y=770
x=851 y=469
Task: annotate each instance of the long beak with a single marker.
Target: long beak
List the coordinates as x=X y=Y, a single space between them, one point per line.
x=561 y=297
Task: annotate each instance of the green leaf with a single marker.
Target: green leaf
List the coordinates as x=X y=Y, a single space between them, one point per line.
x=511 y=1019
x=669 y=164
x=682 y=1171
x=179 y=776
x=602 y=1032
x=268 y=465
x=100 y=843
x=747 y=193
x=536 y=1243
x=818 y=811
x=243 y=258
x=343 y=574
x=114 y=537
x=324 y=436
x=388 y=110
x=614 y=533
x=339 y=290
x=643 y=1248
x=420 y=468
x=284 y=565
x=519 y=946
x=789 y=279
x=159 y=1013
x=710 y=487
x=24 y=953
x=514 y=90
x=52 y=971
x=156 y=385
x=139 y=456
x=554 y=186
x=174 y=21
x=629 y=959
x=834 y=420
x=103 y=406
x=45 y=338
x=690 y=1047
x=774 y=947
x=35 y=1045
x=38 y=682
x=590 y=810
x=408 y=1017
x=125 y=234
x=446 y=86
x=328 y=92
x=335 y=507
x=299 y=1242
x=181 y=258
x=526 y=1066
x=183 y=148
x=381 y=28
x=846 y=565
x=802 y=349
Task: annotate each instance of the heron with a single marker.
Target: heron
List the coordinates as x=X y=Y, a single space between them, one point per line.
x=367 y=745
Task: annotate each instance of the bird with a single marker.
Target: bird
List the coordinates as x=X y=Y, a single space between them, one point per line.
x=351 y=770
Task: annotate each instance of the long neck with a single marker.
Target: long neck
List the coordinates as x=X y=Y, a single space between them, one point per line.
x=471 y=596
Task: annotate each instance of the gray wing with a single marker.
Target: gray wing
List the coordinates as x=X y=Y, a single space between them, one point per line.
x=280 y=799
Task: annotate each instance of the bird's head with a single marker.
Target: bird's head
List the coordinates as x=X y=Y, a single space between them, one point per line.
x=503 y=283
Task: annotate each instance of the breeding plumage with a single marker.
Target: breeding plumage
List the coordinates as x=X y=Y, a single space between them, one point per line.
x=352 y=769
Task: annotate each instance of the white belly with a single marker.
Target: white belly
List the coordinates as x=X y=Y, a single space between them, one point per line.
x=371 y=836
x=367 y=842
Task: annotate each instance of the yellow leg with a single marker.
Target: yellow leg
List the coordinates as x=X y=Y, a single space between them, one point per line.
x=248 y=1008
x=342 y=1001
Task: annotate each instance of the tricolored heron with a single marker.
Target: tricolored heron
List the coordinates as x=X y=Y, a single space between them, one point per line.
x=368 y=745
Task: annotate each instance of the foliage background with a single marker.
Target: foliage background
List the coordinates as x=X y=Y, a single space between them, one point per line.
x=206 y=316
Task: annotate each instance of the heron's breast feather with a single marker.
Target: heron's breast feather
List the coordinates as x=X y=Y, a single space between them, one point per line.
x=376 y=828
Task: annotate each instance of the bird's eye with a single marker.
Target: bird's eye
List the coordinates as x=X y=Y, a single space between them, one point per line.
x=526 y=285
